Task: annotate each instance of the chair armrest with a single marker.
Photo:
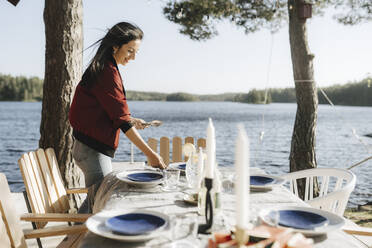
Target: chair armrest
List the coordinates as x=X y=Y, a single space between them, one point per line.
x=55 y=217
x=77 y=190
x=54 y=231
x=363 y=231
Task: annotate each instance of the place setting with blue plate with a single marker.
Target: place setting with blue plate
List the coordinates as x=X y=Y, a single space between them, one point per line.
x=178 y=166
x=306 y=220
x=264 y=182
x=142 y=178
x=258 y=183
x=132 y=226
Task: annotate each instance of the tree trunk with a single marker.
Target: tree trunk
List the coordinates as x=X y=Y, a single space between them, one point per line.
x=63 y=69
x=302 y=154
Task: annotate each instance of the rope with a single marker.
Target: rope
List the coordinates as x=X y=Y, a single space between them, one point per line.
x=353 y=130
x=364 y=160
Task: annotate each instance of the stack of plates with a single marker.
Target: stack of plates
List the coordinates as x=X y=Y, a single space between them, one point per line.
x=141 y=177
x=128 y=226
x=309 y=221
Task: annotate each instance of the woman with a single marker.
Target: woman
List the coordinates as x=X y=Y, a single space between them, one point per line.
x=99 y=110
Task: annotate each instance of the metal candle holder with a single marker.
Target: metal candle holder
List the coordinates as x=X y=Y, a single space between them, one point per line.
x=205 y=228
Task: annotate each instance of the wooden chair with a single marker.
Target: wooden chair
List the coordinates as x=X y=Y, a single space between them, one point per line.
x=11 y=233
x=46 y=193
x=176 y=147
x=44 y=185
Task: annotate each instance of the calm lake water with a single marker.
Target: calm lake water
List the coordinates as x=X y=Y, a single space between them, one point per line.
x=337 y=146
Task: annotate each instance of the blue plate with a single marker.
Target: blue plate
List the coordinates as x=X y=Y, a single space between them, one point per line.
x=301 y=219
x=144 y=176
x=182 y=166
x=134 y=223
x=260 y=180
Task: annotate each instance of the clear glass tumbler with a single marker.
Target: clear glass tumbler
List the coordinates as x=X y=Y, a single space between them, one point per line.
x=171 y=179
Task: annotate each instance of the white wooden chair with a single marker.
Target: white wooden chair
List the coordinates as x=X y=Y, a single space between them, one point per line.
x=335 y=184
x=176 y=147
x=11 y=233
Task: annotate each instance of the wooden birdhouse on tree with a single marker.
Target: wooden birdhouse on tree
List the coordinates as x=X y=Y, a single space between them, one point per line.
x=304 y=9
x=14 y=2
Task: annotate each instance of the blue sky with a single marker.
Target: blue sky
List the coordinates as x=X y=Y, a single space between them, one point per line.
x=171 y=62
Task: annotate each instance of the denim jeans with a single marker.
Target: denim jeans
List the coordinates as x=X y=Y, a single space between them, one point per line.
x=95 y=167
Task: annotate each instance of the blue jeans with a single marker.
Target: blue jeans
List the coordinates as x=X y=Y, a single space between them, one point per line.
x=95 y=167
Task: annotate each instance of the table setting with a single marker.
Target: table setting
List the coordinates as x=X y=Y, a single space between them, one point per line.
x=198 y=203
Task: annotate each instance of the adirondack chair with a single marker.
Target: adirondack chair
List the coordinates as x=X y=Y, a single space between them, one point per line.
x=45 y=190
x=11 y=233
x=176 y=147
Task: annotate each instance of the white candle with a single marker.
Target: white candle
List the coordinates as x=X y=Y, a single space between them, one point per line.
x=211 y=150
x=242 y=177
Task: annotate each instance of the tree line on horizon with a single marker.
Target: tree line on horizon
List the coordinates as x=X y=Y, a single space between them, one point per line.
x=21 y=88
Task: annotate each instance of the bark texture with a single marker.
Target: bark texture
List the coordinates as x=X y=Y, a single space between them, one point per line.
x=63 y=69
x=302 y=154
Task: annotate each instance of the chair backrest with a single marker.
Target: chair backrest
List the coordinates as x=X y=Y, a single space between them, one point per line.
x=335 y=184
x=43 y=181
x=176 y=147
x=11 y=234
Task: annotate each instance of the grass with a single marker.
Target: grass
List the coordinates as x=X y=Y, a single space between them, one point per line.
x=360 y=216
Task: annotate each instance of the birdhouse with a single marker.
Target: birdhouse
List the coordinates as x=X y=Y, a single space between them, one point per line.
x=14 y=2
x=304 y=9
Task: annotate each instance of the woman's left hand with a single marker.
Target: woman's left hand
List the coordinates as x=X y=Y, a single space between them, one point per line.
x=138 y=123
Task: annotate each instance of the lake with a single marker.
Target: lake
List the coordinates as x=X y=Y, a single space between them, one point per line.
x=337 y=145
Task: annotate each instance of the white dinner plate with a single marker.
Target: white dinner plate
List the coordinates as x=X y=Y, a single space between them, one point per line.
x=277 y=181
x=96 y=224
x=335 y=222
x=123 y=177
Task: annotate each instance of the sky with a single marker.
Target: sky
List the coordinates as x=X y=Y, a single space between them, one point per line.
x=171 y=62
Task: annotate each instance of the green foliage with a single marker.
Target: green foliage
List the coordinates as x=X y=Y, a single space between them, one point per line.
x=253 y=96
x=354 y=11
x=198 y=18
x=283 y=95
x=218 y=98
x=145 y=96
x=20 y=88
x=351 y=94
x=181 y=97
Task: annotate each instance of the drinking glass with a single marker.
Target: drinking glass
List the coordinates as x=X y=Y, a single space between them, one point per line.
x=191 y=171
x=171 y=178
x=228 y=183
x=184 y=231
x=273 y=218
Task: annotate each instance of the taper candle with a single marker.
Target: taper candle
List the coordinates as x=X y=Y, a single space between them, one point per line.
x=211 y=150
x=242 y=177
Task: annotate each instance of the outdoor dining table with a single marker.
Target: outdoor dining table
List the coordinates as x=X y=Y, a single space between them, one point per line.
x=118 y=195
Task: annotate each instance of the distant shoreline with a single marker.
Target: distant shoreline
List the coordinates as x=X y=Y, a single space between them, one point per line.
x=350 y=94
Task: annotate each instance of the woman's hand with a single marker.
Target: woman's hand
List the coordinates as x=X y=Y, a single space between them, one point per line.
x=154 y=160
x=138 y=123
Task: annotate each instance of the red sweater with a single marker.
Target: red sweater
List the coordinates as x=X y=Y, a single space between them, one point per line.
x=97 y=113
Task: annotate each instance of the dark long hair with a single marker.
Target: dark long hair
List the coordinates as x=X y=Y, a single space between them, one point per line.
x=120 y=34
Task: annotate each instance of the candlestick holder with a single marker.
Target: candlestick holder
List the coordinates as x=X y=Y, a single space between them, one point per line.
x=241 y=236
x=205 y=228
